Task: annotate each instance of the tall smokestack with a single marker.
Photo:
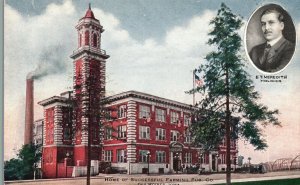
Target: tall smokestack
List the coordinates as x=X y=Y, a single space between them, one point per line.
x=29 y=111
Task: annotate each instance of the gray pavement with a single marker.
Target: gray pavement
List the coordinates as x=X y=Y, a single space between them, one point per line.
x=165 y=179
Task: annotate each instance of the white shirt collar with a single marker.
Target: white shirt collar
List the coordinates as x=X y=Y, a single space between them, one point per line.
x=272 y=42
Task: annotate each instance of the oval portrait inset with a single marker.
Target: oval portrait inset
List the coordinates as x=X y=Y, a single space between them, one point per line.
x=270 y=38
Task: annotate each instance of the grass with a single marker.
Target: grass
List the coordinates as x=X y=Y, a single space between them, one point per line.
x=270 y=182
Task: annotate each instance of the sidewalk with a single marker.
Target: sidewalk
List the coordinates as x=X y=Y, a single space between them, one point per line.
x=161 y=179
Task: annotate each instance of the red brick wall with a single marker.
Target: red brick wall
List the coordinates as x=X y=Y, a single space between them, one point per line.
x=49 y=162
x=49 y=126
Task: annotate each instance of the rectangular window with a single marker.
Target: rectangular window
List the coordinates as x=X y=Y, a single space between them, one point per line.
x=143 y=156
x=122 y=111
x=232 y=144
x=108 y=133
x=160 y=134
x=160 y=156
x=160 y=115
x=187 y=120
x=188 y=158
x=205 y=157
x=121 y=156
x=67 y=133
x=144 y=132
x=174 y=117
x=144 y=111
x=39 y=130
x=223 y=159
x=108 y=156
x=122 y=131
x=174 y=135
x=187 y=137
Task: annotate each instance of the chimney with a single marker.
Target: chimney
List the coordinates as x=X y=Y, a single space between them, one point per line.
x=28 y=112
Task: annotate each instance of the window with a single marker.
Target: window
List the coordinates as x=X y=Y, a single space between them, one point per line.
x=174 y=117
x=188 y=158
x=95 y=133
x=80 y=38
x=87 y=38
x=160 y=115
x=160 y=134
x=232 y=143
x=67 y=133
x=188 y=137
x=95 y=40
x=174 y=135
x=204 y=159
x=223 y=159
x=122 y=111
x=144 y=111
x=108 y=156
x=122 y=131
x=144 y=132
x=160 y=156
x=108 y=133
x=121 y=156
x=187 y=120
x=143 y=156
x=39 y=130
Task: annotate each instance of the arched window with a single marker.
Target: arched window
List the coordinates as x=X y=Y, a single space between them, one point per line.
x=87 y=36
x=95 y=38
x=80 y=38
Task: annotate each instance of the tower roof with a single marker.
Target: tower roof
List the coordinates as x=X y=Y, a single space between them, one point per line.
x=89 y=13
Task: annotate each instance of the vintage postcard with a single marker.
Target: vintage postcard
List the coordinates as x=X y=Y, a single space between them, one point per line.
x=144 y=92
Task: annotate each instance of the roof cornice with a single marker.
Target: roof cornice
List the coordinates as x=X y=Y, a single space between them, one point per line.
x=145 y=96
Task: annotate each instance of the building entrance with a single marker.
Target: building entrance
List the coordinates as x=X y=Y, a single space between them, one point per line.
x=175 y=156
x=213 y=167
x=176 y=163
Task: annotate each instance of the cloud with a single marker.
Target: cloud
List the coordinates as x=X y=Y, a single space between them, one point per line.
x=39 y=45
x=189 y=38
x=32 y=43
x=160 y=68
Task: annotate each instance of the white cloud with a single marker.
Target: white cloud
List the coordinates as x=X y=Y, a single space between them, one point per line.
x=191 y=37
x=26 y=38
x=143 y=64
x=163 y=69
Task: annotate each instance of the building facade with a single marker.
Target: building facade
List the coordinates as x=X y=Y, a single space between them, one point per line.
x=150 y=129
x=144 y=134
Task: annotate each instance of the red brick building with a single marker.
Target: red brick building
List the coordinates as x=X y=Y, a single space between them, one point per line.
x=146 y=129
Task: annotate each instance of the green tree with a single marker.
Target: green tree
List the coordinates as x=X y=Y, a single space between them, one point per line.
x=24 y=166
x=229 y=108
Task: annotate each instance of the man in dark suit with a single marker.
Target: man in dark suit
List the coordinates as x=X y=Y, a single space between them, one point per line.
x=276 y=52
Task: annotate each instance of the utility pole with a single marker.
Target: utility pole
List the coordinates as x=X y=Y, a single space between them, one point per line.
x=89 y=117
x=227 y=127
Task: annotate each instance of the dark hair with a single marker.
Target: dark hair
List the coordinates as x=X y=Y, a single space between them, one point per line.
x=274 y=10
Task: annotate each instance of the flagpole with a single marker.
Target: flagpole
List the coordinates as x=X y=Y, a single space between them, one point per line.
x=193 y=87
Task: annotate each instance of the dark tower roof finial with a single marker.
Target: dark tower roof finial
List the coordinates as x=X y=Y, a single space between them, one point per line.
x=89 y=13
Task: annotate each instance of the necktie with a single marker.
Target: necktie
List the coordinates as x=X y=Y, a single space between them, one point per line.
x=265 y=55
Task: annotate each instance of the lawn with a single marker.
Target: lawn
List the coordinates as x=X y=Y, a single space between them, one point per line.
x=271 y=182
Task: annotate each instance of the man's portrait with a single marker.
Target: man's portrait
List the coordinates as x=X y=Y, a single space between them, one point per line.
x=270 y=38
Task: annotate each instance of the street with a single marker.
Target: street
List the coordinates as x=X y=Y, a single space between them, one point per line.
x=165 y=179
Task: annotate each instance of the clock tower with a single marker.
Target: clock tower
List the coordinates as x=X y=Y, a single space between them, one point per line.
x=88 y=88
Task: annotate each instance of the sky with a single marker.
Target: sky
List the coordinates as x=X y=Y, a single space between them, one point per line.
x=153 y=45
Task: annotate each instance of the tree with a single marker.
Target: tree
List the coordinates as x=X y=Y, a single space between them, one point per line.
x=229 y=108
x=24 y=166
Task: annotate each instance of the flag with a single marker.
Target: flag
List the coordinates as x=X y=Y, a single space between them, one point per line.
x=198 y=81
